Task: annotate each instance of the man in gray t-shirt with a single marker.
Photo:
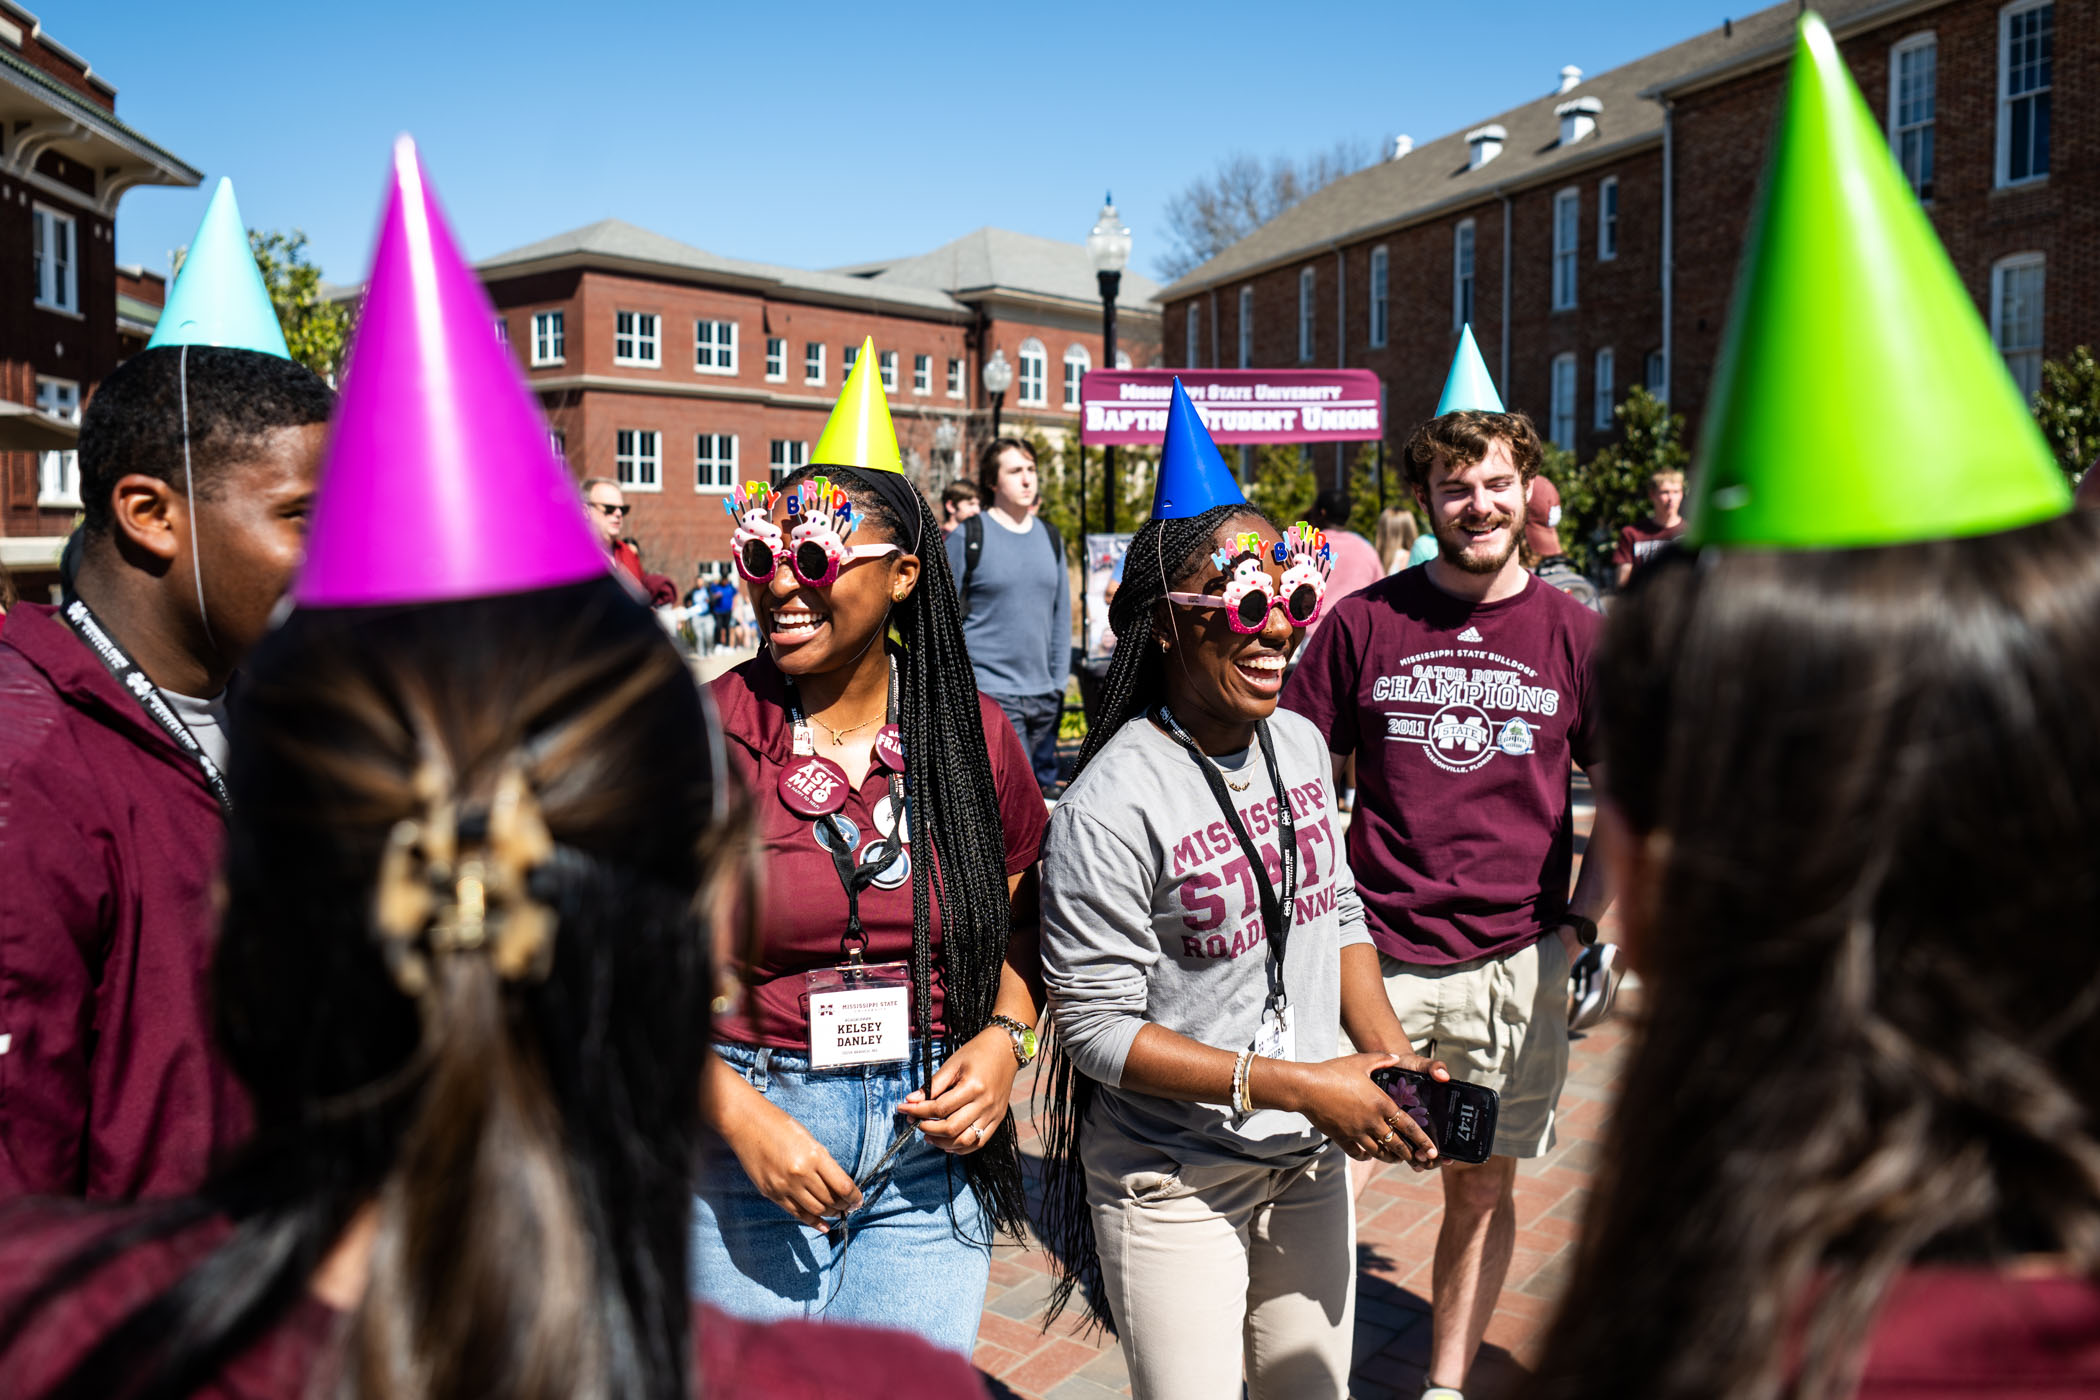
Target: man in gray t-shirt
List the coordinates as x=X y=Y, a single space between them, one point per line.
x=1017 y=602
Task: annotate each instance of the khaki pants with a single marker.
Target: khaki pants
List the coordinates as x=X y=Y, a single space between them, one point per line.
x=1214 y=1268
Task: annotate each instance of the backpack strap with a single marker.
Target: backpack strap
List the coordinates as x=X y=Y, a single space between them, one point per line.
x=1057 y=541
x=973 y=550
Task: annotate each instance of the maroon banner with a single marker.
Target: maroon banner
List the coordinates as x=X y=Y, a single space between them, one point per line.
x=1128 y=407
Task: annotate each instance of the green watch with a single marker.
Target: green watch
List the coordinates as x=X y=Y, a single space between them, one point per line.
x=1022 y=1036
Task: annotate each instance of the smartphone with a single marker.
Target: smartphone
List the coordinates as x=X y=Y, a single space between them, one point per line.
x=1459 y=1117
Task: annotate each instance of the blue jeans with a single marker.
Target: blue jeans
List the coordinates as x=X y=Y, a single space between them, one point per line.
x=901 y=1261
x=1035 y=719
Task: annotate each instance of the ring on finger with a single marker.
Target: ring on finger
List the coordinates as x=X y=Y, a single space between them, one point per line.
x=1386 y=1141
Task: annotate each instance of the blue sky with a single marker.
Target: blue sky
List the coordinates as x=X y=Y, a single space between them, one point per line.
x=810 y=135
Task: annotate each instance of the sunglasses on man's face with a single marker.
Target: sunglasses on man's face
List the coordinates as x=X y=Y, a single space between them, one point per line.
x=604 y=509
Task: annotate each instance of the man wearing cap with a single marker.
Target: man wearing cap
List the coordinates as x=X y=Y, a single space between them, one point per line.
x=1542 y=544
x=197 y=460
x=1462 y=690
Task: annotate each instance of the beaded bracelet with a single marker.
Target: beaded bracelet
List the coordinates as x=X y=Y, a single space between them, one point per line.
x=1239 y=1081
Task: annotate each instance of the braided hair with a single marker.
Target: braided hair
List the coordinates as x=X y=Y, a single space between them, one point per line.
x=1159 y=554
x=954 y=811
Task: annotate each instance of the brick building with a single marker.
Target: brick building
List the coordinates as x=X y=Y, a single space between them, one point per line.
x=65 y=163
x=1591 y=236
x=678 y=372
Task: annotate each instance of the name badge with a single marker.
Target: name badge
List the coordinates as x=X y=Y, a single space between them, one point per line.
x=859 y=1014
x=1276 y=1040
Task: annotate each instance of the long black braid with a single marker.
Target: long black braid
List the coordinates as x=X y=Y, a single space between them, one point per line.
x=1159 y=554
x=954 y=814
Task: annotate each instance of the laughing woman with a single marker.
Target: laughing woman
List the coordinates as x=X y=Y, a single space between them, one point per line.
x=861 y=1090
x=1202 y=941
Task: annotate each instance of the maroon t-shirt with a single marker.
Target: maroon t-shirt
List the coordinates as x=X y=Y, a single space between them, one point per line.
x=1984 y=1336
x=802 y=911
x=1637 y=542
x=1463 y=718
x=792 y=1360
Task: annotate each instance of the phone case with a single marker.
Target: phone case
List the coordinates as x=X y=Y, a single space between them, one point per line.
x=1458 y=1117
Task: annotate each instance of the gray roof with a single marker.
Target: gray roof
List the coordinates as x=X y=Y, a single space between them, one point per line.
x=997 y=259
x=1433 y=176
x=23 y=74
x=618 y=241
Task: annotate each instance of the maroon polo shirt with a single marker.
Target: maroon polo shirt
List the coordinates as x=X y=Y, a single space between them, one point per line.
x=110 y=1083
x=1638 y=542
x=802 y=910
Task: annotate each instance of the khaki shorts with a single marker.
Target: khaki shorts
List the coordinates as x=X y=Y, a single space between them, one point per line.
x=1498 y=1022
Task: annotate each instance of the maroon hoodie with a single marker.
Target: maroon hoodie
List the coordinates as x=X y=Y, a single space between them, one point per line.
x=110 y=1083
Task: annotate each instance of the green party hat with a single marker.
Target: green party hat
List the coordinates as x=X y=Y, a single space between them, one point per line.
x=1858 y=399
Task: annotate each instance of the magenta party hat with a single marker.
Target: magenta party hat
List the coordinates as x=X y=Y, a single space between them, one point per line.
x=440 y=480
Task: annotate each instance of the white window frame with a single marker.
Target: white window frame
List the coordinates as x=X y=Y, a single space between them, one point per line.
x=1077 y=362
x=784 y=456
x=2026 y=369
x=1191 y=341
x=1246 y=327
x=1655 y=375
x=714 y=346
x=886 y=366
x=955 y=377
x=57 y=278
x=1379 y=321
x=559 y=441
x=1308 y=313
x=58 y=473
x=503 y=329
x=2006 y=100
x=1567 y=219
x=1608 y=219
x=645 y=347
x=848 y=356
x=776 y=359
x=1606 y=390
x=922 y=374
x=550 y=343
x=1464 y=264
x=1560 y=418
x=708 y=453
x=1927 y=41
x=1032 y=380
x=636 y=451
x=813 y=361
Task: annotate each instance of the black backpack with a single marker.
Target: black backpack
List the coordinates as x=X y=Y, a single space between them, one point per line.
x=973 y=550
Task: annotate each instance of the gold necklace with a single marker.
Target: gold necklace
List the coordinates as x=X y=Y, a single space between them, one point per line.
x=838 y=736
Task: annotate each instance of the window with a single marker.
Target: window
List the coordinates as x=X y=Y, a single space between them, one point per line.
x=1381 y=279
x=1190 y=340
x=847 y=355
x=58 y=473
x=813 y=362
x=1607 y=389
x=1655 y=375
x=1567 y=220
x=548 y=342
x=2016 y=317
x=1246 y=327
x=1608 y=219
x=955 y=377
x=776 y=359
x=1462 y=275
x=1913 y=97
x=1563 y=411
x=1122 y=359
x=559 y=441
x=714 y=347
x=1035 y=372
x=503 y=330
x=922 y=374
x=785 y=457
x=56 y=259
x=637 y=457
x=634 y=338
x=886 y=364
x=1077 y=362
x=1307 y=285
x=2026 y=63
x=714 y=461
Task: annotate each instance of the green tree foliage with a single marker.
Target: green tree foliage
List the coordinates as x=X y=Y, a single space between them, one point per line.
x=1058 y=470
x=2068 y=409
x=1611 y=490
x=314 y=330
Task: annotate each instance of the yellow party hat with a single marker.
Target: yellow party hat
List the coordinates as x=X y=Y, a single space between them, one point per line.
x=860 y=433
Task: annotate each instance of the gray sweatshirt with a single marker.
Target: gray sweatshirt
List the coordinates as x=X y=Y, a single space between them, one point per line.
x=1150 y=914
x=1018 y=618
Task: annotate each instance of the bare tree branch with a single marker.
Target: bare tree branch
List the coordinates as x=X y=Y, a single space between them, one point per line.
x=1215 y=211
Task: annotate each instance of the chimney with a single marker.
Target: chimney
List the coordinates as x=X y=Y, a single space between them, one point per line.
x=1485 y=143
x=1402 y=144
x=1570 y=78
x=1578 y=118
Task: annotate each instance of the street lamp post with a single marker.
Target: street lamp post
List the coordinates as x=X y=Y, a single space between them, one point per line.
x=1108 y=245
x=998 y=375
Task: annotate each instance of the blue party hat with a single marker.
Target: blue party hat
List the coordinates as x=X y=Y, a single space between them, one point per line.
x=218 y=297
x=1468 y=385
x=1193 y=477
